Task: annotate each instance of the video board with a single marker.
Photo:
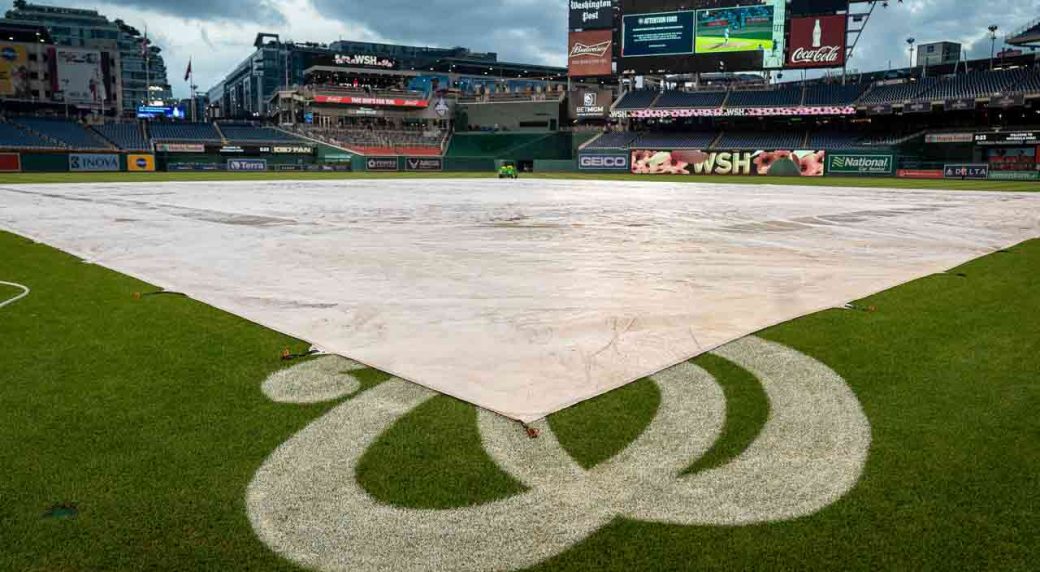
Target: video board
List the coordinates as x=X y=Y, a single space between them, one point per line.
x=686 y=36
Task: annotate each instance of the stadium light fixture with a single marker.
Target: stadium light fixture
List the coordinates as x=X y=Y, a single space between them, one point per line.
x=992 y=43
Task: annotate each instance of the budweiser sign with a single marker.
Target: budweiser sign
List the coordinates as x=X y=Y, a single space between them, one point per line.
x=598 y=50
x=590 y=53
x=818 y=42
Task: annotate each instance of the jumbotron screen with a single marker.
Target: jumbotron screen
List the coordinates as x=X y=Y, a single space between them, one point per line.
x=676 y=36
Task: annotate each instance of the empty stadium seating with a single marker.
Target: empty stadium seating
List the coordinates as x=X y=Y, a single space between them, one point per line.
x=833 y=94
x=761 y=140
x=974 y=85
x=62 y=132
x=185 y=132
x=787 y=97
x=897 y=92
x=693 y=140
x=690 y=99
x=638 y=99
x=126 y=136
x=380 y=141
x=613 y=140
x=248 y=133
x=14 y=137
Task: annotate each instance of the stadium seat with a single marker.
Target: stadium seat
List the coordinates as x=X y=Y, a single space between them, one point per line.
x=185 y=132
x=833 y=94
x=613 y=140
x=785 y=97
x=786 y=140
x=690 y=99
x=64 y=132
x=638 y=99
x=249 y=133
x=13 y=137
x=126 y=136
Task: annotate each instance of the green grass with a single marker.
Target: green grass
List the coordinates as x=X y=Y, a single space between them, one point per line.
x=893 y=183
x=147 y=414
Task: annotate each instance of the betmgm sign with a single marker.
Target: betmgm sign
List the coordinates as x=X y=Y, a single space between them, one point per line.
x=591 y=104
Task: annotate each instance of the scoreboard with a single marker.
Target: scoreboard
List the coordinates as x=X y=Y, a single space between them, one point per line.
x=702 y=36
x=709 y=36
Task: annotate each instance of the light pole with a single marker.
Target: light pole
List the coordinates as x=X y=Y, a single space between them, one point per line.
x=910 y=43
x=992 y=44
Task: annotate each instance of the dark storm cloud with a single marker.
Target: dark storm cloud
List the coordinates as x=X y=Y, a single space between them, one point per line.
x=259 y=11
x=519 y=30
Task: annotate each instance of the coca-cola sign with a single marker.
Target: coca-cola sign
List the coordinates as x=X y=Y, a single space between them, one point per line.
x=817 y=42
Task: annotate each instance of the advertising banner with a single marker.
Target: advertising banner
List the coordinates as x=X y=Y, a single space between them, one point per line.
x=603 y=162
x=246 y=165
x=1026 y=138
x=383 y=101
x=860 y=164
x=746 y=163
x=590 y=103
x=591 y=14
x=92 y=162
x=180 y=148
x=919 y=173
x=590 y=53
x=80 y=76
x=15 y=74
x=799 y=111
x=287 y=149
x=1006 y=101
x=966 y=104
x=662 y=34
x=818 y=42
x=385 y=164
x=975 y=172
x=880 y=109
x=1014 y=175
x=949 y=138
x=1022 y=159
x=424 y=164
x=10 y=163
x=140 y=163
x=918 y=107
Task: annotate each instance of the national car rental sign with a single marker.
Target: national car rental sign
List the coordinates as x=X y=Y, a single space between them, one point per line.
x=817 y=42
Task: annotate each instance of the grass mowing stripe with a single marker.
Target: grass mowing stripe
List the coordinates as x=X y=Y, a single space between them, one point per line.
x=369 y=378
x=433 y=458
x=747 y=409
x=594 y=431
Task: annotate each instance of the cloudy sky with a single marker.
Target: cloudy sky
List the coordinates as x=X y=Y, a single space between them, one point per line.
x=218 y=34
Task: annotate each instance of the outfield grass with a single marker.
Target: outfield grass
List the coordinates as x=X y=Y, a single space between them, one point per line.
x=147 y=415
x=893 y=183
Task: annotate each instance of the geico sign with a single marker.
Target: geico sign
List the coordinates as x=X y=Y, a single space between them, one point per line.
x=611 y=162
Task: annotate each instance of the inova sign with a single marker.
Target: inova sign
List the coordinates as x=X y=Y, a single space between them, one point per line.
x=845 y=164
x=79 y=163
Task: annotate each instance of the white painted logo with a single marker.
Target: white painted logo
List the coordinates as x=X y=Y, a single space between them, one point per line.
x=597 y=50
x=306 y=504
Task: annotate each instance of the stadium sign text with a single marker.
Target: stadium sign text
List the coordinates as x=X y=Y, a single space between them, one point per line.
x=385 y=164
x=844 y=164
x=818 y=42
x=423 y=164
x=364 y=61
x=975 y=172
x=591 y=14
x=246 y=165
x=603 y=162
x=799 y=111
x=382 y=101
x=79 y=163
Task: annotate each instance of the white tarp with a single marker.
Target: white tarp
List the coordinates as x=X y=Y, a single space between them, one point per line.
x=521 y=297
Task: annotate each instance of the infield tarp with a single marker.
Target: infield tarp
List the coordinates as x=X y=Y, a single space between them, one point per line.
x=523 y=297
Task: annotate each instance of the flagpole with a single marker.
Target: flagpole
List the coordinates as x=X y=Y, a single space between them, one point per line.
x=147 y=69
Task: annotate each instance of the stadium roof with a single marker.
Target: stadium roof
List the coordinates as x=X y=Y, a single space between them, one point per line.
x=1029 y=37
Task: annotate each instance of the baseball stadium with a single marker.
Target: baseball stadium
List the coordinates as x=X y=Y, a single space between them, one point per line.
x=719 y=287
